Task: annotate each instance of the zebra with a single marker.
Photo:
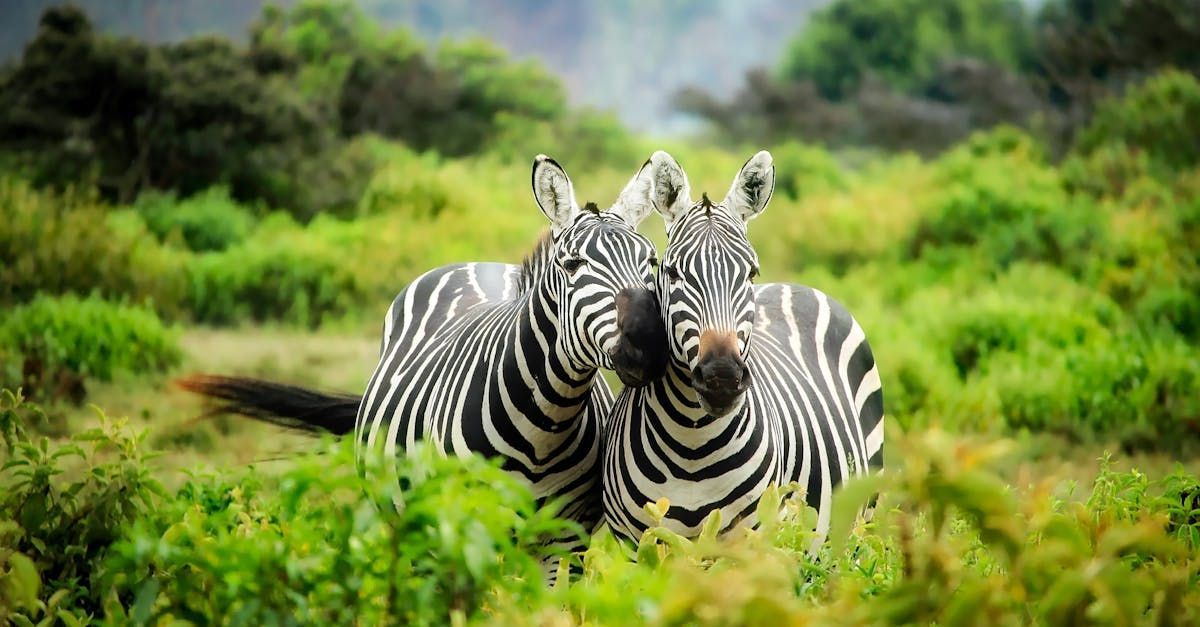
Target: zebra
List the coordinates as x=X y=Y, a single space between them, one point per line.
x=501 y=360
x=766 y=384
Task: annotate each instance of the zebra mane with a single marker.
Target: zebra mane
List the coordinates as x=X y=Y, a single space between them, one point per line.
x=534 y=262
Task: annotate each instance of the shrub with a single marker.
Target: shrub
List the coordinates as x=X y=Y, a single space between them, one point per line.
x=951 y=543
x=1160 y=117
x=1028 y=308
x=801 y=170
x=210 y=220
x=431 y=540
x=1150 y=266
x=409 y=184
x=61 y=509
x=839 y=217
x=301 y=276
x=1007 y=206
x=1141 y=392
x=58 y=343
x=579 y=139
x=326 y=547
x=56 y=243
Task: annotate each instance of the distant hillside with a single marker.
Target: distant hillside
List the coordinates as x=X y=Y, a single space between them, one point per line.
x=624 y=55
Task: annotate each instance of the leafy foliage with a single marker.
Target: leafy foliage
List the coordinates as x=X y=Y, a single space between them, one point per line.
x=56 y=344
x=324 y=546
x=62 y=507
x=207 y=221
x=951 y=543
x=275 y=120
x=1158 y=117
x=921 y=76
x=458 y=541
x=56 y=243
x=903 y=42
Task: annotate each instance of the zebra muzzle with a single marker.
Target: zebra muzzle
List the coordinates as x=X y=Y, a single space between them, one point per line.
x=641 y=352
x=720 y=382
x=721 y=376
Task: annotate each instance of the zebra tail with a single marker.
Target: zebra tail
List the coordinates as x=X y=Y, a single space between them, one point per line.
x=289 y=406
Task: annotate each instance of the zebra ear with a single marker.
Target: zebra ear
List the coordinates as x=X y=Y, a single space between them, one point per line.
x=656 y=185
x=671 y=193
x=553 y=191
x=753 y=186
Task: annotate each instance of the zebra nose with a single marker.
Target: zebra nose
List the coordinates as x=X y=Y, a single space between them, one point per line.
x=721 y=376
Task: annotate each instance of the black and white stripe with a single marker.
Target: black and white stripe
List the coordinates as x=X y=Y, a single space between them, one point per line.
x=766 y=384
x=502 y=360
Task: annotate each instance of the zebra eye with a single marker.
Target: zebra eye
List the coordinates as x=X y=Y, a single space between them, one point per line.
x=653 y=261
x=573 y=264
x=753 y=274
x=672 y=273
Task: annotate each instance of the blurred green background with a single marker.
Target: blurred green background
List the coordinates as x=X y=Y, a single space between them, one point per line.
x=1005 y=194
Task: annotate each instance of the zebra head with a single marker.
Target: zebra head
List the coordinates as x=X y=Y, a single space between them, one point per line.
x=706 y=280
x=601 y=269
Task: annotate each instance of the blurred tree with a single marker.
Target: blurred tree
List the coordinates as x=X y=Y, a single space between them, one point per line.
x=133 y=116
x=766 y=108
x=921 y=75
x=1087 y=49
x=375 y=81
x=903 y=42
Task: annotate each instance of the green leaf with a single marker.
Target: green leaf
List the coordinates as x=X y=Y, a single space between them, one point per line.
x=144 y=603
x=848 y=501
x=768 y=506
x=711 y=526
x=23 y=579
x=68 y=619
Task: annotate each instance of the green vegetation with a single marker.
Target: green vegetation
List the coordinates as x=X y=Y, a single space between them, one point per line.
x=90 y=535
x=1032 y=295
x=1002 y=291
x=906 y=41
x=924 y=75
x=51 y=346
x=274 y=120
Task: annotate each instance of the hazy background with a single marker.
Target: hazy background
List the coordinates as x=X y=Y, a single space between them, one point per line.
x=627 y=56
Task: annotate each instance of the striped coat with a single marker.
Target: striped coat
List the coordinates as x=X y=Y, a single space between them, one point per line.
x=766 y=384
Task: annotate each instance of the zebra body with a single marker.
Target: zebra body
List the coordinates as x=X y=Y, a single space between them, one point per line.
x=458 y=342
x=501 y=360
x=767 y=384
x=812 y=415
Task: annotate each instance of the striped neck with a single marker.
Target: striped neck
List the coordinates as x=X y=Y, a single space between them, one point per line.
x=538 y=362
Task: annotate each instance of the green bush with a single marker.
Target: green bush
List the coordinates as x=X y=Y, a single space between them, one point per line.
x=951 y=544
x=323 y=546
x=62 y=507
x=88 y=533
x=579 y=139
x=1028 y=308
x=1007 y=206
x=54 y=345
x=210 y=220
x=1141 y=392
x=409 y=184
x=56 y=243
x=1151 y=267
x=301 y=276
x=1160 y=118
